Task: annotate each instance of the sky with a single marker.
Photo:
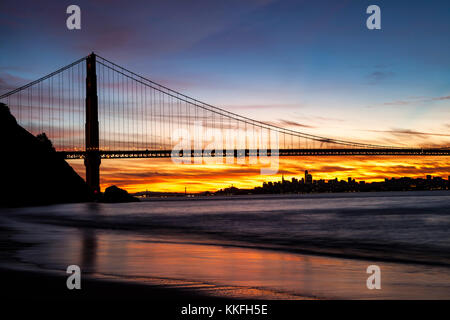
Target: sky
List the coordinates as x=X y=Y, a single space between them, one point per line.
x=311 y=66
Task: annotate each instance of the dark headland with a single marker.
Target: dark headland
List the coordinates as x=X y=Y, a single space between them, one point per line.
x=33 y=173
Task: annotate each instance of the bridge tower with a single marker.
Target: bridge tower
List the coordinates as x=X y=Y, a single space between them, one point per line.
x=92 y=159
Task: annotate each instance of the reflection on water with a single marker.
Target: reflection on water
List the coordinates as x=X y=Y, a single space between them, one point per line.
x=211 y=245
x=88 y=250
x=231 y=271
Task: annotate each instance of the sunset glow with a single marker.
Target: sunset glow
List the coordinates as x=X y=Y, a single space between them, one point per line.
x=163 y=175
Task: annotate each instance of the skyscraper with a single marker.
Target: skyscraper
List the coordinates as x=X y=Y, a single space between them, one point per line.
x=308 y=177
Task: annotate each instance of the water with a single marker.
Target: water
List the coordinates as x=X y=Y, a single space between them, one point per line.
x=287 y=246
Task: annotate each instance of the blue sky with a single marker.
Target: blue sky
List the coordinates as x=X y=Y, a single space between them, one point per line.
x=310 y=62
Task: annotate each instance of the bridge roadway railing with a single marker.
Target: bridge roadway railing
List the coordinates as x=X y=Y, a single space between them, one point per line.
x=252 y=152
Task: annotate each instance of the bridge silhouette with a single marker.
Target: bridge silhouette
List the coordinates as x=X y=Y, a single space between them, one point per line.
x=94 y=109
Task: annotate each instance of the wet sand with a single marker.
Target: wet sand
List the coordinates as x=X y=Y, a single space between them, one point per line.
x=124 y=265
x=31 y=285
x=24 y=281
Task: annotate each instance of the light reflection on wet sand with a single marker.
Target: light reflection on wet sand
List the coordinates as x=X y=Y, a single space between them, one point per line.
x=225 y=270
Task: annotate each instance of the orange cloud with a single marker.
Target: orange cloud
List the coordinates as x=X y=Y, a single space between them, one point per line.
x=163 y=175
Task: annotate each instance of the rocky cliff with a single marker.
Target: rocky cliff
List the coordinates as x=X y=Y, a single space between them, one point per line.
x=32 y=173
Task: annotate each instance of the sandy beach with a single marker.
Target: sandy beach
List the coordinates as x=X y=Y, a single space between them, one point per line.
x=126 y=254
x=24 y=281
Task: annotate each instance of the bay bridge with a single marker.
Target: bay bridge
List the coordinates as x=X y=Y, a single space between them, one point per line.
x=94 y=109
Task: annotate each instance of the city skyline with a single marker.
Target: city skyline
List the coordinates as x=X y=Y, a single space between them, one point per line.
x=333 y=185
x=307 y=184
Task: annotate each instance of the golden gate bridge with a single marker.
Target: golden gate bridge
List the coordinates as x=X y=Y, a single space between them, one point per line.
x=93 y=109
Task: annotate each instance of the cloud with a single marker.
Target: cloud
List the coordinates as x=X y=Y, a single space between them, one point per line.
x=378 y=76
x=316 y=119
x=293 y=124
x=10 y=82
x=264 y=106
x=335 y=168
x=410 y=132
x=411 y=138
x=397 y=103
x=441 y=98
x=412 y=170
x=411 y=101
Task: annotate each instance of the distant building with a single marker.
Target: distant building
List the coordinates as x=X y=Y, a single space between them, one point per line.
x=308 y=177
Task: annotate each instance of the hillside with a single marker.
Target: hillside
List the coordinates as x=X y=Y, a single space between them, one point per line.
x=32 y=172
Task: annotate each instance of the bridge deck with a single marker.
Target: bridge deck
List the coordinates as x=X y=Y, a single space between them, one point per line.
x=246 y=152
